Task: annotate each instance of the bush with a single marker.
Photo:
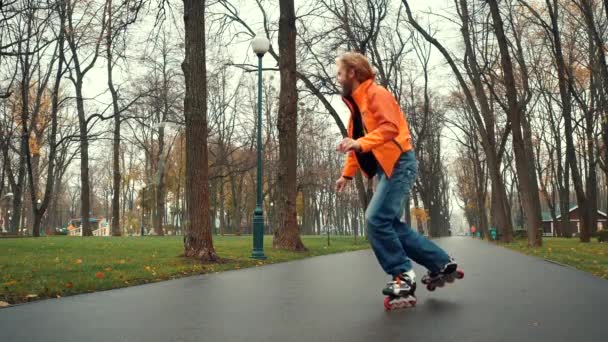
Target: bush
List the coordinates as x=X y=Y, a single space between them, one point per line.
x=520 y=234
x=602 y=235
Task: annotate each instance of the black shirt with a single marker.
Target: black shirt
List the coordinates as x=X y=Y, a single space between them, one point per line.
x=367 y=161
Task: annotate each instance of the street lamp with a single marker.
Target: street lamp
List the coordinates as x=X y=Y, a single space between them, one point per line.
x=8 y=197
x=260 y=45
x=10 y=218
x=143 y=215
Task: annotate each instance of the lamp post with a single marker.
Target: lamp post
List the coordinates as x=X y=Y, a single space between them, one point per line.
x=10 y=217
x=8 y=198
x=260 y=45
x=39 y=204
x=143 y=210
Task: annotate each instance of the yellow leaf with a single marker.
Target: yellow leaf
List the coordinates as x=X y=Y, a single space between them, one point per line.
x=108 y=269
x=3 y=304
x=78 y=261
x=10 y=283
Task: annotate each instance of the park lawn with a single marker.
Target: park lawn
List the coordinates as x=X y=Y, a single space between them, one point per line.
x=50 y=267
x=590 y=257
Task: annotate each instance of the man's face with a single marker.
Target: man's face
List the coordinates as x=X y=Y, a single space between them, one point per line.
x=346 y=79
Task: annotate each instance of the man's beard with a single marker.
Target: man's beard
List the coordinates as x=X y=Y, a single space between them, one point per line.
x=347 y=89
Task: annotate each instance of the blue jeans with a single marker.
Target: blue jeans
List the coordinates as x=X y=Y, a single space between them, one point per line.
x=392 y=240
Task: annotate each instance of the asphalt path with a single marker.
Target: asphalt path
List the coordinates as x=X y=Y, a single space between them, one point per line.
x=504 y=296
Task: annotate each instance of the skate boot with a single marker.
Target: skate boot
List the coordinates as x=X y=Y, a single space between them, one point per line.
x=400 y=292
x=447 y=274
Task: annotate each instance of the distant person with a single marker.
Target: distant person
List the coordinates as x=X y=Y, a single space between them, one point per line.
x=380 y=145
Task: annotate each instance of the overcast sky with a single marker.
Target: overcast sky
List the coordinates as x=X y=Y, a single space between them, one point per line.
x=96 y=80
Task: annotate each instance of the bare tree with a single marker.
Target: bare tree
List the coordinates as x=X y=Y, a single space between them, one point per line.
x=198 y=242
x=118 y=20
x=481 y=113
x=287 y=236
x=78 y=36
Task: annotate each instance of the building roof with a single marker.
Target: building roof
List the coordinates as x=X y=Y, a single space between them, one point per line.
x=546 y=216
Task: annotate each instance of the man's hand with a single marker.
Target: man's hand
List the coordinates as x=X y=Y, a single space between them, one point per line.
x=348 y=145
x=341 y=184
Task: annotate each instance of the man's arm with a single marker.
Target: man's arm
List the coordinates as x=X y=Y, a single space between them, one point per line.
x=351 y=166
x=385 y=110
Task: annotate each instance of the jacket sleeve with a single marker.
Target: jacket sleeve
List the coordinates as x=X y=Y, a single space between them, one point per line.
x=351 y=166
x=386 y=112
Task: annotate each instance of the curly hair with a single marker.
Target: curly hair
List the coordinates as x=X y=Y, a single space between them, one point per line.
x=358 y=63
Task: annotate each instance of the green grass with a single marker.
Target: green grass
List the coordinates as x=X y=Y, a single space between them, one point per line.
x=590 y=257
x=50 y=267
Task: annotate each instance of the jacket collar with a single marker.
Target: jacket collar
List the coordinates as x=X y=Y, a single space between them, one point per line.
x=360 y=93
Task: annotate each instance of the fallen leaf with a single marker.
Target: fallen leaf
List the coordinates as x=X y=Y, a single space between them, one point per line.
x=69 y=285
x=10 y=283
x=31 y=296
x=121 y=261
x=4 y=304
x=99 y=275
x=78 y=261
x=109 y=269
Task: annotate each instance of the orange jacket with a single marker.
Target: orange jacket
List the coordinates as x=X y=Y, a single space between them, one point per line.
x=387 y=134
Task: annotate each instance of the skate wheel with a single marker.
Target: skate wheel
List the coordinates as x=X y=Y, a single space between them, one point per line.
x=450 y=279
x=459 y=274
x=387 y=303
x=399 y=303
x=441 y=283
x=430 y=287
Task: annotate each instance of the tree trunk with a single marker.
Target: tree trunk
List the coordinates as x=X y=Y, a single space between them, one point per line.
x=160 y=204
x=565 y=88
x=85 y=193
x=515 y=111
x=198 y=242
x=116 y=142
x=287 y=235
x=19 y=187
x=486 y=130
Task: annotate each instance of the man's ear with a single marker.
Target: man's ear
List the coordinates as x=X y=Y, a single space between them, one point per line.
x=351 y=73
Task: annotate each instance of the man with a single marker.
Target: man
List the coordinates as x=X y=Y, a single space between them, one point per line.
x=379 y=144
